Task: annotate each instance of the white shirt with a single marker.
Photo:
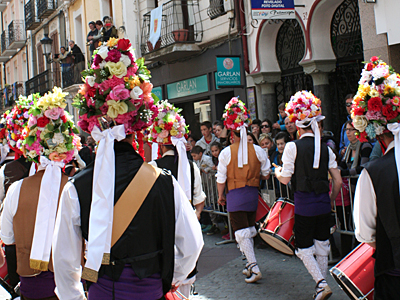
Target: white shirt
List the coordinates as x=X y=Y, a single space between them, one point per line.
x=365 y=210
x=67 y=242
x=224 y=159
x=198 y=194
x=290 y=153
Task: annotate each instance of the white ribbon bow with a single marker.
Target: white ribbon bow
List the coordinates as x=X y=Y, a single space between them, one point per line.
x=317 y=136
x=395 y=129
x=154 y=151
x=183 y=166
x=46 y=209
x=102 y=206
x=4 y=150
x=242 y=153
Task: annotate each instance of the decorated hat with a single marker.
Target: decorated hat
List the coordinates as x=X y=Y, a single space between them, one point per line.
x=236 y=114
x=377 y=102
x=116 y=88
x=305 y=109
x=16 y=121
x=4 y=148
x=168 y=124
x=50 y=131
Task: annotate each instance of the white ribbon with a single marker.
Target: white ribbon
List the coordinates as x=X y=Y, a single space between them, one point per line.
x=4 y=150
x=395 y=129
x=154 y=151
x=102 y=206
x=183 y=166
x=317 y=136
x=242 y=153
x=46 y=209
x=32 y=170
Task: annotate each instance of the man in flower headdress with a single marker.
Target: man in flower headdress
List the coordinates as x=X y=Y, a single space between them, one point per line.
x=30 y=206
x=169 y=130
x=142 y=234
x=307 y=162
x=240 y=167
x=375 y=113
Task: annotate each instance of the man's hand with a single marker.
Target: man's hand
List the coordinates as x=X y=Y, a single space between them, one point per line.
x=174 y=288
x=222 y=200
x=276 y=125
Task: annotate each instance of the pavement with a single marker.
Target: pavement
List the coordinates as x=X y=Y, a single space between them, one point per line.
x=284 y=277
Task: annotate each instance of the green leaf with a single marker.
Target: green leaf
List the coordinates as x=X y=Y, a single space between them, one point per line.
x=99 y=103
x=30 y=140
x=140 y=62
x=75 y=130
x=156 y=99
x=36 y=112
x=131 y=107
x=50 y=127
x=379 y=81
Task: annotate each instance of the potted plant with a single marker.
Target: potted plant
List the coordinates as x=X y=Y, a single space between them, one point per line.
x=181 y=35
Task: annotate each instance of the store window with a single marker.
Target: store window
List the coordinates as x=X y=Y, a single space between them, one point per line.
x=202 y=110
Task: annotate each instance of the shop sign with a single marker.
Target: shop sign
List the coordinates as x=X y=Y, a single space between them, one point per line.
x=191 y=86
x=273 y=9
x=228 y=71
x=158 y=92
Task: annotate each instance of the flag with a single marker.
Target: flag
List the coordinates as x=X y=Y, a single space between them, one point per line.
x=155 y=25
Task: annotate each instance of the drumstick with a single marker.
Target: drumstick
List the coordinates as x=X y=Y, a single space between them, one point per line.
x=275 y=165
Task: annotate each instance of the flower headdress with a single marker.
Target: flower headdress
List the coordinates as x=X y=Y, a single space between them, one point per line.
x=168 y=123
x=4 y=147
x=305 y=109
x=377 y=102
x=236 y=118
x=50 y=131
x=236 y=114
x=16 y=121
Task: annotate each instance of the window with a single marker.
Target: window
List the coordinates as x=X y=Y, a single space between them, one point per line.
x=216 y=9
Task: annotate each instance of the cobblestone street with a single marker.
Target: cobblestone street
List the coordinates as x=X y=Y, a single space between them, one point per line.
x=284 y=277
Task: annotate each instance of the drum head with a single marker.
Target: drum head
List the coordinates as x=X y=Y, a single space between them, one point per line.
x=277 y=242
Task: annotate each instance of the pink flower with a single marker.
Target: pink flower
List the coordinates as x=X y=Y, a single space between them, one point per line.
x=131 y=71
x=54 y=113
x=110 y=83
x=374 y=115
x=119 y=93
x=32 y=121
x=113 y=55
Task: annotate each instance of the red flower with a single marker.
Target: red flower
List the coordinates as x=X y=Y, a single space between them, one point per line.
x=64 y=119
x=374 y=58
x=362 y=137
x=123 y=44
x=168 y=126
x=389 y=113
x=42 y=121
x=375 y=104
x=370 y=66
x=358 y=111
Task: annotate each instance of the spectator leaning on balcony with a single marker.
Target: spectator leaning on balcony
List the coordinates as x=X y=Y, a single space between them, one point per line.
x=93 y=32
x=66 y=61
x=79 y=61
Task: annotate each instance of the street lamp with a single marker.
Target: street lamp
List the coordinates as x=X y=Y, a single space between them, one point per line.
x=46 y=47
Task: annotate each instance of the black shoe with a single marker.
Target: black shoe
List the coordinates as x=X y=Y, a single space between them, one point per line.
x=214 y=229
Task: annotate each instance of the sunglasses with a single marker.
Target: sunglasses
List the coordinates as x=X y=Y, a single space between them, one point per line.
x=348 y=104
x=264 y=126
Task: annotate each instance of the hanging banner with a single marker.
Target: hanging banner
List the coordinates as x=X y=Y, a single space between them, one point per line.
x=273 y=9
x=228 y=71
x=155 y=25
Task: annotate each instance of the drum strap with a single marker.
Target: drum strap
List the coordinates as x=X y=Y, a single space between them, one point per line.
x=132 y=199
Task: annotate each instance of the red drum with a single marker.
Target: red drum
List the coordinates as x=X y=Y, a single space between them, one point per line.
x=277 y=229
x=175 y=296
x=355 y=273
x=3 y=263
x=262 y=209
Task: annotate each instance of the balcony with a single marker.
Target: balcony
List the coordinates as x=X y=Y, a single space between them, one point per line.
x=216 y=9
x=45 y=8
x=181 y=29
x=31 y=19
x=5 y=45
x=3 y=6
x=16 y=34
x=41 y=83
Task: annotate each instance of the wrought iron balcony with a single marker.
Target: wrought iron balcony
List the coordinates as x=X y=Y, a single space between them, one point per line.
x=181 y=29
x=31 y=19
x=45 y=8
x=5 y=45
x=216 y=9
x=41 y=83
x=16 y=34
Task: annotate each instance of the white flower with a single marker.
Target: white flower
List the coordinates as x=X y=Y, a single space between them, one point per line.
x=125 y=59
x=58 y=138
x=90 y=80
x=379 y=129
x=360 y=123
x=380 y=71
x=132 y=51
x=103 y=52
x=13 y=143
x=102 y=64
x=32 y=154
x=136 y=92
x=365 y=77
x=314 y=107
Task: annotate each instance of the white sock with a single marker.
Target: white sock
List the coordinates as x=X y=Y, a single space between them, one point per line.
x=322 y=264
x=247 y=247
x=312 y=267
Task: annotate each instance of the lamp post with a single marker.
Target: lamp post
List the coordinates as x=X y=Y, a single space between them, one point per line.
x=46 y=47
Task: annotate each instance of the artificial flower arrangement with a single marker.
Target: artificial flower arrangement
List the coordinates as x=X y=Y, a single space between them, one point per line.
x=3 y=128
x=16 y=121
x=50 y=131
x=116 y=87
x=168 y=123
x=303 y=105
x=377 y=101
x=235 y=114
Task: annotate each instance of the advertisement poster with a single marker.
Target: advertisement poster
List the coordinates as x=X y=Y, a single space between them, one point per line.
x=273 y=9
x=228 y=71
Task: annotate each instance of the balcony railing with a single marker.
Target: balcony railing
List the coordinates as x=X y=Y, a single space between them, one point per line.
x=41 y=83
x=181 y=23
x=45 y=8
x=216 y=9
x=31 y=19
x=16 y=34
x=4 y=41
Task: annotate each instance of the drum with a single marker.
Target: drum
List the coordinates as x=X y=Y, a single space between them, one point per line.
x=3 y=263
x=262 y=209
x=355 y=273
x=175 y=296
x=277 y=229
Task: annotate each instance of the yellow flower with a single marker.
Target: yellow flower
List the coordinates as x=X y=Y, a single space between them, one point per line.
x=126 y=79
x=116 y=108
x=118 y=69
x=165 y=140
x=173 y=132
x=53 y=99
x=373 y=93
x=162 y=126
x=388 y=90
x=238 y=120
x=136 y=81
x=112 y=42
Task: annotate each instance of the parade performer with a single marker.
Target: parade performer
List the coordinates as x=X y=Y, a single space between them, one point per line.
x=375 y=114
x=6 y=155
x=240 y=167
x=30 y=206
x=132 y=253
x=307 y=162
x=169 y=130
